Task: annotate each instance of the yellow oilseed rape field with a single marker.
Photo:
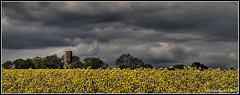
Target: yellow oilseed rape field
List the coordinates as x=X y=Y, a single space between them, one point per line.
x=119 y=81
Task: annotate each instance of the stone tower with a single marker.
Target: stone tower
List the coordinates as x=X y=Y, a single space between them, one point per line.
x=67 y=59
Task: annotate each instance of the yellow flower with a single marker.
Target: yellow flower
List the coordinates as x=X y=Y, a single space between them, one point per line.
x=118 y=81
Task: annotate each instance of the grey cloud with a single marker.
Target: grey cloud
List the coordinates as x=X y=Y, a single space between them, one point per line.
x=208 y=19
x=171 y=53
x=196 y=18
x=190 y=28
x=223 y=61
x=151 y=53
x=56 y=14
x=32 y=40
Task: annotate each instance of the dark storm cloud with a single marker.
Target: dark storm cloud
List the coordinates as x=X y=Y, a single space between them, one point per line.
x=157 y=32
x=33 y=40
x=216 y=20
x=208 y=19
x=56 y=14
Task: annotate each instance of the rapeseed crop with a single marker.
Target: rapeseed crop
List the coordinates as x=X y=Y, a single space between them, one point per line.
x=119 y=81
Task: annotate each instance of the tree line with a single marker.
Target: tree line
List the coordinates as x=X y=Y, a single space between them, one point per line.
x=196 y=65
x=54 y=62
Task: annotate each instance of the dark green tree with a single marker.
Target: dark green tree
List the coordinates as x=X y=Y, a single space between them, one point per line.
x=95 y=63
x=179 y=66
x=128 y=61
x=195 y=64
x=28 y=64
x=77 y=64
x=37 y=62
x=105 y=66
x=198 y=65
x=147 y=66
x=42 y=64
x=53 y=61
x=75 y=58
x=19 y=63
x=8 y=65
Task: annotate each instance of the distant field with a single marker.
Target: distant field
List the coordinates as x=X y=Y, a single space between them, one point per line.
x=119 y=81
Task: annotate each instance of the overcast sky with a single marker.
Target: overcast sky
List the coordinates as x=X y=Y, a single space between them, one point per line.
x=160 y=33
